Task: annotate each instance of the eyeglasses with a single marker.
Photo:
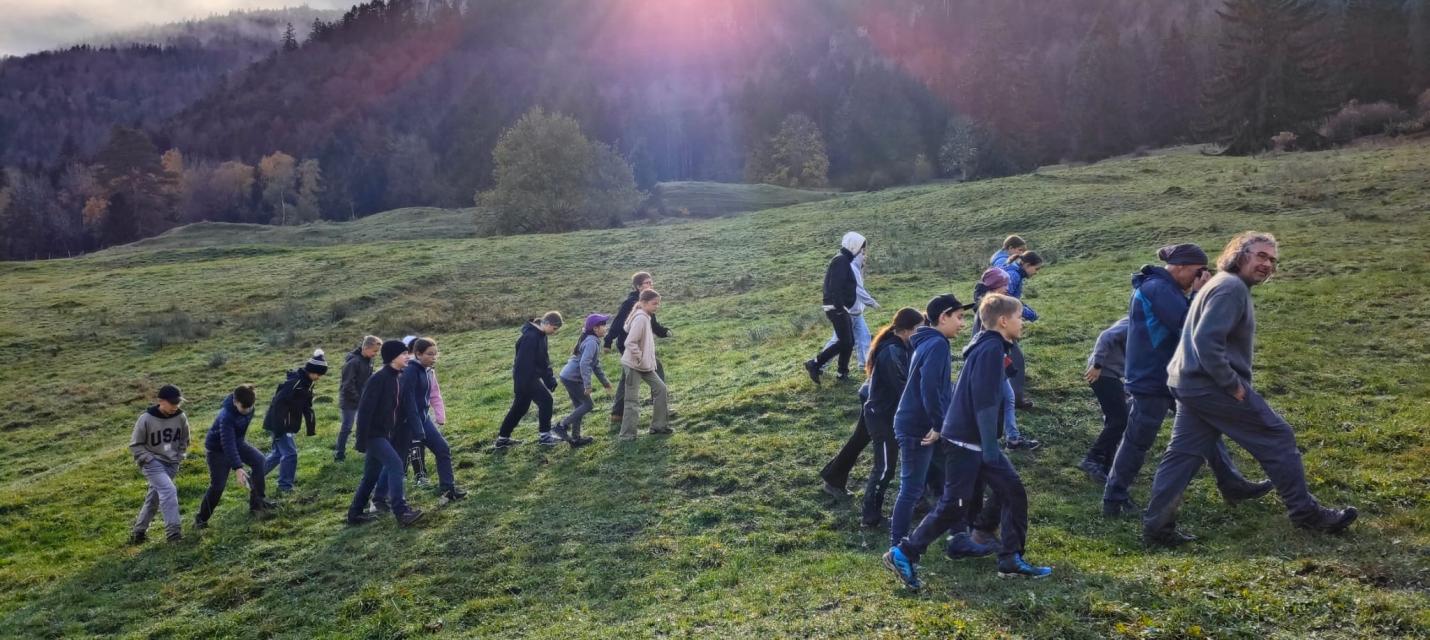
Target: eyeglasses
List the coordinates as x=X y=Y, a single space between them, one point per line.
x=1262 y=255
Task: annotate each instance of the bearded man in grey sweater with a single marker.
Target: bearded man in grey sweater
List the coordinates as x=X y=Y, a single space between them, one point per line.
x=1210 y=376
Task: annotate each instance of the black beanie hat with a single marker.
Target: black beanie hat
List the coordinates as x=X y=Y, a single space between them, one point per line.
x=391 y=349
x=317 y=364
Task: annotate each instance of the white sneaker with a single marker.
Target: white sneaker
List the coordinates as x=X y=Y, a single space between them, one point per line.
x=549 y=440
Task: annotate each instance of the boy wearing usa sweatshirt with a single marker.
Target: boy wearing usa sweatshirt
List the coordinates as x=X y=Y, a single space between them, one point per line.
x=158 y=444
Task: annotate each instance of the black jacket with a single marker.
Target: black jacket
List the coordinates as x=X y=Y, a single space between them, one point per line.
x=356 y=370
x=839 y=285
x=617 y=333
x=292 y=404
x=532 y=362
x=890 y=374
x=378 y=415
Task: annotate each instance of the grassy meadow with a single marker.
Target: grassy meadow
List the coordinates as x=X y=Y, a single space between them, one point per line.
x=721 y=530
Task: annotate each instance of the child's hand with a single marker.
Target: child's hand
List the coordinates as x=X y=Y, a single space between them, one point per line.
x=608 y=387
x=242 y=476
x=588 y=392
x=1092 y=374
x=931 y=438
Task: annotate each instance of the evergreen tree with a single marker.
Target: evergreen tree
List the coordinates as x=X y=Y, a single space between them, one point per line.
x=1271 y=74
x=1100 y=98
x=1377 y=50
x=1171 y=91
x=139 y=190
x=290 y=38
x=1418 y=18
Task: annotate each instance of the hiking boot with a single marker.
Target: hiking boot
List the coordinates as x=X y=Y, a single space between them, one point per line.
x=1119 y=508
x=360 y=519
x=505 y=443
x=907 y=572
x=452 y=494
x=264 y=505
x=409 y=517
x=1026 y=444
x=200 y=525
x=138 y=538
x=561 y=432
x=836 y=491
x=1332 y=520
x=378 y=506
x=174 y=536
x=812 y=368
x=1170 y=537
x=1016 y=567
x=549 y=439
x=961 y=545
x=1248 y=491
x=1094 y=470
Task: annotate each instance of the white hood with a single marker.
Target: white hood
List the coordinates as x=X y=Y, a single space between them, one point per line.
x=853 y=242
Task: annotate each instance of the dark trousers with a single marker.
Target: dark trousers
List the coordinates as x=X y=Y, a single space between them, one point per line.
x=1112 y=397
x=963 y=470
x=1019 y=379
x=1144 y=420
x=581 y=404
x=843 y=346
x=837 y=471
x=345 y=429
x=382 y=465
x=618 y=404
x=879 y=432
x=1201 y=422
x=527 y=393
x=218 y=478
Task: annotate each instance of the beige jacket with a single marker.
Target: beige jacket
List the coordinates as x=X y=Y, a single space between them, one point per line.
x=640 y=342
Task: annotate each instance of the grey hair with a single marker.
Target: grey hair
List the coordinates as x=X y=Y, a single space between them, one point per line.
x=1237 y=251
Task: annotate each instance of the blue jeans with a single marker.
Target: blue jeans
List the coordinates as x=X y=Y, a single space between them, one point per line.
x=383 y=467
x=285 y=458
x=1010 y=419
x=914 y=461
x=349 y=418
x=443 y=453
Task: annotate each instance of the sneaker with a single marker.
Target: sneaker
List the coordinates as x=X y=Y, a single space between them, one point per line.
x=409 y=517
x=1170 y=537
x=664 y=431
x=843 y=377
x=1024 y=405
x=1016 y=567
x=1332 y=520
x=504 y=443
x=812 y=368
x=877 y=524
x=982 y=537
x=360 y=519
x=581 y=441
x=378 y=506
x=961 y=545
x=451 y=495
x=1249 y=491
x=200 y=525
x=266 y=505
x=560 y=431
x=174 y=536
x=1094 y=470
x=836 y=491
x=138 y=538
x=625 y=438
x=549 y=439
x=1119 y=508
x=896 y=561
x=1026 y=444
x=420 y=479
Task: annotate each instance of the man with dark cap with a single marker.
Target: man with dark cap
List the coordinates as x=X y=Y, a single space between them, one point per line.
x=382 y=431
x=1210 y=375
x=291 y=407
x=1155 y=316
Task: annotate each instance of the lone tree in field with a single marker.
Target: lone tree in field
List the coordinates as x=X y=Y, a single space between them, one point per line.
x=794 y=157
x=1272 y=74
x=550 y=177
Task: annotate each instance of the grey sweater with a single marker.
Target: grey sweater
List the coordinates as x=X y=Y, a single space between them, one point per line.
x=1217 y=340
x=156 y=437
x=1111 y=350
x=582 y=365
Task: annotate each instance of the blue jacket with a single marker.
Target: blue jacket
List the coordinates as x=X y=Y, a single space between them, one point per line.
x=1155 y=316
x=228 y=430
x=999 y=259
x=888 y=378
x=930 y=386
x=975 y=414
x=415 y=403
x=1016 y=274
x=532 y=361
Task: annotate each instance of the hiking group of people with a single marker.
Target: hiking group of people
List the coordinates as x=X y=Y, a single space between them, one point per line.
x=395 y=414
x=1184 y=347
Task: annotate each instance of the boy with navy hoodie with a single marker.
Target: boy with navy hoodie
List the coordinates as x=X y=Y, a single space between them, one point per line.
x=226 y=451
x=532 y=381
x=969 y=435
x=923 y=403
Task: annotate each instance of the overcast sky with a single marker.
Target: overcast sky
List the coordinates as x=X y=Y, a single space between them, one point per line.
x=27 y=26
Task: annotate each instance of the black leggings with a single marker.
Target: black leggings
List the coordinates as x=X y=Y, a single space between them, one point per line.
x=532 y=391
x=843 y=346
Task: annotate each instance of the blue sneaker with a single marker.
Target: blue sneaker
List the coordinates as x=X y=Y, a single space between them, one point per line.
x=1016 y=567
x=961 y=545
x=896 y=561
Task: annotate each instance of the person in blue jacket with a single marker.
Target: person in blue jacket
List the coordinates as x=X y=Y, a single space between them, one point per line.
x=416 y=390
x=969 y=435
x=1156 y=313
x=1019 y=269
x=226 y=451
x=921 y=406
x=1013 y=246
x=532 y=381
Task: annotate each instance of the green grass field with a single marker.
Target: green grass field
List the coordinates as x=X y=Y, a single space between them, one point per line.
x=721 y=531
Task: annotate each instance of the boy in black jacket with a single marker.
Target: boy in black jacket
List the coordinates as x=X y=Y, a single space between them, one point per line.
x=970 y=440
x=840 y=293
x=532 y=381
x=617 y=336
x=357 y=368
x=292 y=404
x=382 y=432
